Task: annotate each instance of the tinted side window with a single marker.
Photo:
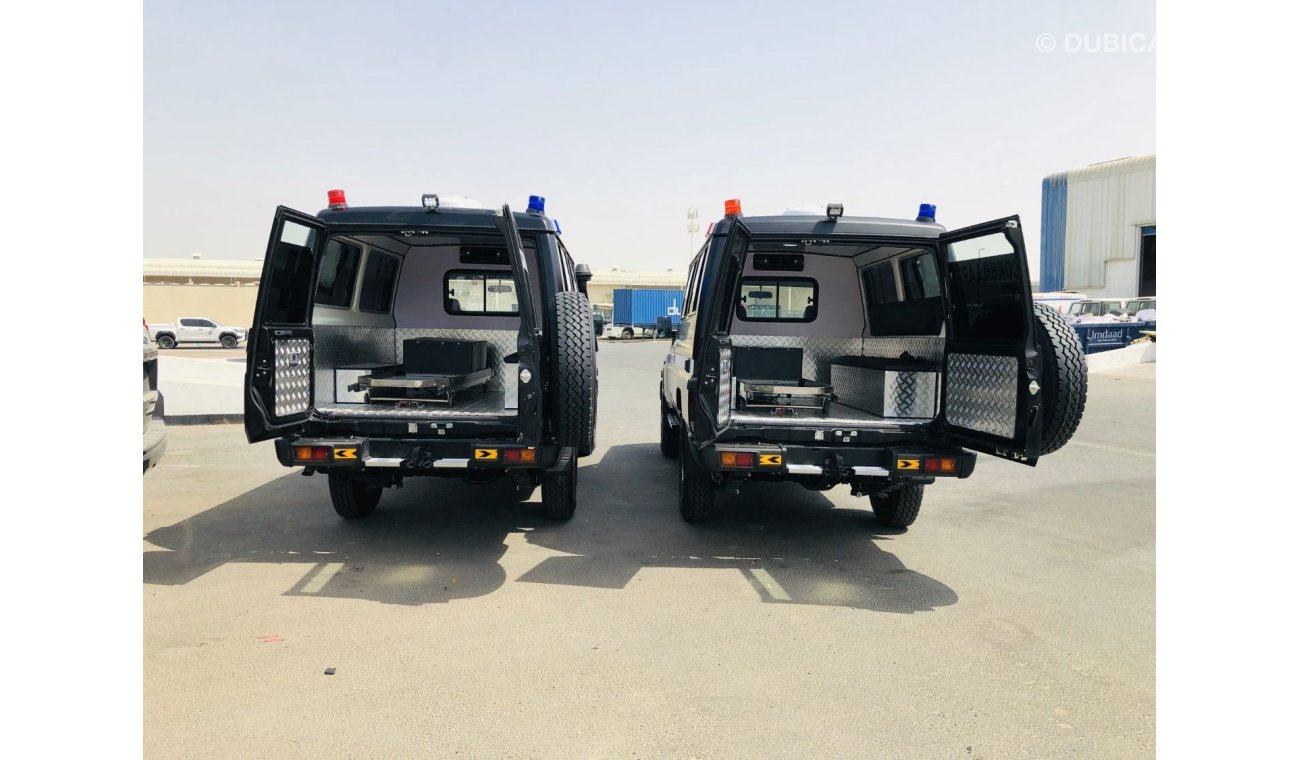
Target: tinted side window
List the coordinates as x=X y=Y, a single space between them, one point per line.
x=882 y=288
x=379 y=283
x=187 y=323
x=338 y=274
x=920 y=277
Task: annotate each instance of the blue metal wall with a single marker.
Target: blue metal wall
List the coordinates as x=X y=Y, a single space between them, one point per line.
x=1051 y=249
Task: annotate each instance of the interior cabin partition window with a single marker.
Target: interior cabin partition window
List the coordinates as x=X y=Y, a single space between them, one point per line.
x=480 y=292
x=784 y=299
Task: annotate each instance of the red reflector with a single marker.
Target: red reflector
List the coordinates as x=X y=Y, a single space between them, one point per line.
x=337 y=199
x=731 y=207
x=932 y=465
x=526 y=456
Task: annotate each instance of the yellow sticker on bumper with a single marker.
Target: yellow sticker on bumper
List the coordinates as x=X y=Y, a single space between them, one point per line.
x=481 y=455
x=908 y=464
x=769 y=460
x=345 y=453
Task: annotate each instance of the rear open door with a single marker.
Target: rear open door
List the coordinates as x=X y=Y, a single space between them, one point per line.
x=278 y=381
x=709 y=390
x=991 y=393
x=528 y=342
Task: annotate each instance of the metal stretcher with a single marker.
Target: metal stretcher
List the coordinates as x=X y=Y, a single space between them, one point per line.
x=765 y=394
x=406 y=389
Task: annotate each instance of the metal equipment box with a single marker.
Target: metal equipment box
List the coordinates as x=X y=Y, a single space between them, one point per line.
x=893 y=388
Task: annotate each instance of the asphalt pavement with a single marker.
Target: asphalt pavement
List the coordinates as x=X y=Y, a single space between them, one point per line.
x=1016 y=618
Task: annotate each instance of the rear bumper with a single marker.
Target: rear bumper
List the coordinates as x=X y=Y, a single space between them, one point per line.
x=417 y=456
x=155 y=442
x=840 y=464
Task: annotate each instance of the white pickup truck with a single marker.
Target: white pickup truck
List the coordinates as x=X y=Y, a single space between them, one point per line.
x=196 y=330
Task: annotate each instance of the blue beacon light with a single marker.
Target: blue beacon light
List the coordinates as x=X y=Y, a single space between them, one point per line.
x=926 y=214
x=536 y=204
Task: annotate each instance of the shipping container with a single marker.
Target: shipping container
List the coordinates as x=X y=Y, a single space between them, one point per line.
x=642 y=307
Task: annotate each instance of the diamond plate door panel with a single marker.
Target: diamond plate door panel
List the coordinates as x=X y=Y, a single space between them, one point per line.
x=292 y=379
x=982 y=393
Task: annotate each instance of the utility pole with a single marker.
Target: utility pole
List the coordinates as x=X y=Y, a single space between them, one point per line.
x=692 y=226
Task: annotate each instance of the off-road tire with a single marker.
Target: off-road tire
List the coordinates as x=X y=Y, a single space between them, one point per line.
x=229 y=341
x=165 y=341
x=353 y=499
x=669 y=439
x=1065 y=377
x=560 y=487
x=589 y=445
x=695 y=491
x=898 y=508
x=574 y=360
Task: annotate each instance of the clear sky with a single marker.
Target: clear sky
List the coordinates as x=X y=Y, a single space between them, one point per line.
x=625 y=115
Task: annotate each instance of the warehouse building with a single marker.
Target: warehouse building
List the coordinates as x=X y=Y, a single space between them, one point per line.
x=1099 y=229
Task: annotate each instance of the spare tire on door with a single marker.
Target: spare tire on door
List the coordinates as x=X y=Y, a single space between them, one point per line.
x=1065 y=377
x=573 y=345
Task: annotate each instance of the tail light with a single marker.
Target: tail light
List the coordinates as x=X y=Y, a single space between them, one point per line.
x=311 y=453
x=519 y=456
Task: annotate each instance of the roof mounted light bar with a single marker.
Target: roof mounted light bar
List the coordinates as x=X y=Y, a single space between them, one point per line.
x=834 y=211
x=430 y=202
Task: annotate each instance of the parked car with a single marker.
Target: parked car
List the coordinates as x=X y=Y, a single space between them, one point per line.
x=197 y=330
x=359 y=374
x=1135 y=305
x=878 y=353
x=1096 y=307
x=155 y=429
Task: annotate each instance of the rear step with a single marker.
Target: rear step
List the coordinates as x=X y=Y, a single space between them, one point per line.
x=439 y=464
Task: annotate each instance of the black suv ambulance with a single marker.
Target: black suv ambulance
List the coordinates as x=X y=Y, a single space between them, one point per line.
x=880 y=353
x=442 y=339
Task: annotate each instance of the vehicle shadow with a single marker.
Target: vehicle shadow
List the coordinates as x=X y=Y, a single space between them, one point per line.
x=431 y=541
x=790 y=543
x=436 y=540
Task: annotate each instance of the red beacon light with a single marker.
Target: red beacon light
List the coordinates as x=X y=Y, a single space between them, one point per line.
x=731 y=207
x=337 y=199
